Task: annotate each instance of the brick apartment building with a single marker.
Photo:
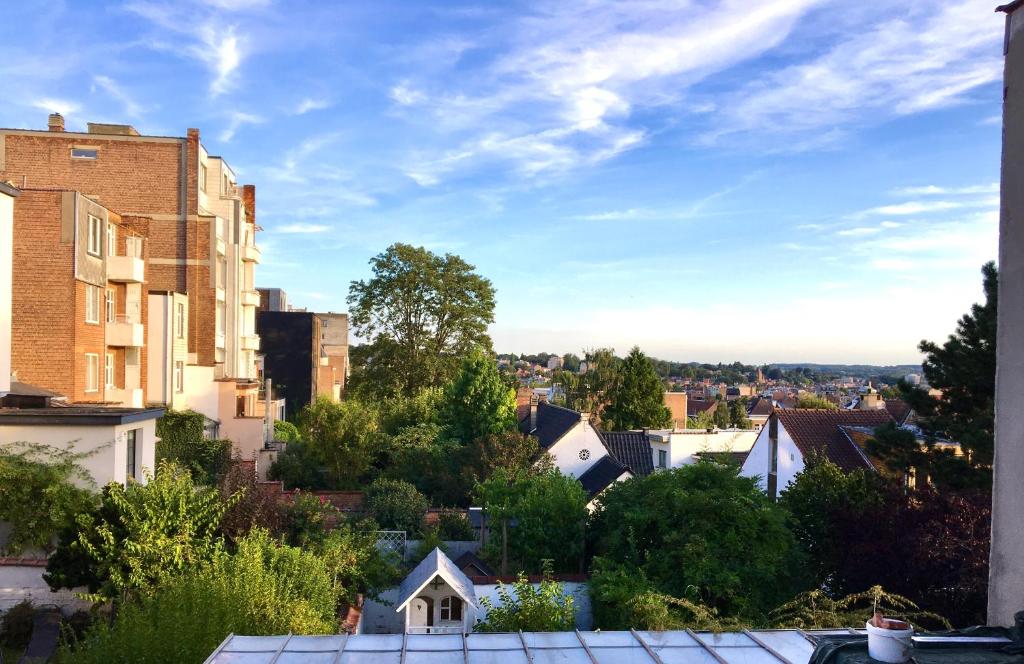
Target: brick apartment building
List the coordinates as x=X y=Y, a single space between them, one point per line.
x=79 y=299
x=198 y=228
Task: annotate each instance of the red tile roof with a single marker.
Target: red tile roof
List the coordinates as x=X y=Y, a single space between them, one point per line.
x=899 y=409
x=695 y=407
x=821 y=430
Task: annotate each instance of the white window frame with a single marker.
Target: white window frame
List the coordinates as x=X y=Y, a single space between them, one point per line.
x=179 y=320
x=94 y=241
x=179 y=376
x=445 y=608
x=111 y=240
x=89 y=154
x=92 y=372
x=111 y=305
x=108 y=371
x=92 y=304
x=131 y=455
x=202 y=177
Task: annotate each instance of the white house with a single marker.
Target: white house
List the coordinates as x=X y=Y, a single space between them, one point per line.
x=791 y=435
x=437 y=598
x=121 y=441
x=672 y=449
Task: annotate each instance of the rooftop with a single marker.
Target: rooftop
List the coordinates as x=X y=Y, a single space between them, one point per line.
x=822 y=431
x=632 y=448
x=77 y=415
x=553 y=422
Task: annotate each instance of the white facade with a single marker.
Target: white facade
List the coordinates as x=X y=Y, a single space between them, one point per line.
x=758 y=462
x=108 y=443
x=579 y=449
x=682 y=447
x=168 y=368
x=7 y=196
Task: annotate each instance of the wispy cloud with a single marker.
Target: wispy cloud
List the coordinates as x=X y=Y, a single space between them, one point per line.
x=235 y=121
x=57 y=105
x=930 y=190
x=128 y=104
x=302 y=228
x=309 y=104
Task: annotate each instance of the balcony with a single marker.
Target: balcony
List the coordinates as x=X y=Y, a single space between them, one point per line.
x=128 y=269
x=219 y=293
x=125 y=397
x=250 y=253
x=221 y=246
x=250 y=298
x=250 y=342
x=125 y=331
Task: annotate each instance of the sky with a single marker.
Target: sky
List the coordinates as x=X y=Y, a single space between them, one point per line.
x=712 y=180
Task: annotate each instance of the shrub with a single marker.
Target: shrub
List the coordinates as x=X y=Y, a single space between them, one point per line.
x=254 y=507
x=523 y=607
x=454 y=526
x=285 y=431
x=183 y=441
x=299 y=466
x=356 y=564
x=262 y=589
x=430 y=540
x=306 y=519
x=16 y=624
x=396 y=505
x=38 y=494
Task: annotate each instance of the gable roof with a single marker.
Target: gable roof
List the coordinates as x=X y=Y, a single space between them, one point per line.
x=630 y=448
x=899 y=409
x=696 y=407
x=601 y=475
x=435 y=564
x=760 y=406
x=819 y=430
x=471 y=559
x=553 y=422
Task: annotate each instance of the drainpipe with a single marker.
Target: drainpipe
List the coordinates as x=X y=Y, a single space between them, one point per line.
x=268 y=415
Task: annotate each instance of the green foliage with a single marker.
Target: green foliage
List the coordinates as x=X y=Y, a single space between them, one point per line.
x=40 y=493
x=701 y=532
x=396 y=505
x=420 y=312
x=738 y=414
x=399 y=412
x=452 y=525
x=722 y=416
x=263 y=589
x=550 y=510
x=898 y=450
x=522 y=607
x=306 y=520
x=143 y=535
x=814 y=609
x=478 y=403
x=809 y=400
x=183 y=442
x=587 y=392
x=16 y=624
x=430 y=540
x=251 y=506
x=286 y=432
x=299 y=466
x=705 y=419
x=509 y=450
x=425 y=457
x=355 y=563
x=344 y=437
x=636 y=397
x=964 y=369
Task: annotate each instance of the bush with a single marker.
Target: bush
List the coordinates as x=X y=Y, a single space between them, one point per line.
x=38 y=494
x=299 y=466
x=356 y=564
x=254 y=507
x=306 y=519
x=396 y=505
x=183 y=441
x=262 y=589
x=16 y=625
x=546 y=608
x=431 y=539
x=454 y=526
x=285 y=431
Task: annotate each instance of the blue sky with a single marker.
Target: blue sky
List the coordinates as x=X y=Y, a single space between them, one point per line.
x=783 y=180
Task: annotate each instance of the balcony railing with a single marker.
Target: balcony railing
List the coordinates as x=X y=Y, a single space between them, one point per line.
x=250 y=298
x=250 y=253
x=250 y=342
x=125 y=330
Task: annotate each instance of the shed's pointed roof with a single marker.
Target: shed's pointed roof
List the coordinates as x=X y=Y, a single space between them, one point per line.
x=435 y=564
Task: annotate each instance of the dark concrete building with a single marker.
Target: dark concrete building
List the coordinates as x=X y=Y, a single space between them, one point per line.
x=291 y=354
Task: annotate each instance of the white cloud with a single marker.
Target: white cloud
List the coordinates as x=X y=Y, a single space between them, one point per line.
x=862 y=230
x=929 y=190
x=55 y=105
x=403 y=95
x=910 y=208
x=222 y=53
x=130 y=107
x=235 y=121
x=308 y=104
x=302 y=228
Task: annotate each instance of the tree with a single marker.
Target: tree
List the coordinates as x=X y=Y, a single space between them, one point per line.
x=636 y=398
x=344 y=436
x=143 y=535
x=182 y=440
x=251 y=506
x=424 y=456
x=705 y=419
x=702 y=533
x=509 y=450
x=396 y=505
x=738 y=414
x=549 y=510
x=300 y=466
x=40 y=493
x=524 y=608
x=478 y=403
x=420 y=312
x=964 y=370
x=722 y=415
x=587 y=392
x=808 y=400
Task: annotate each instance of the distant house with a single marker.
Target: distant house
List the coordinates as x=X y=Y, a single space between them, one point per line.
x=695 y=407
x=676 y=402
x=674 y=449
x=782 y=447
x=758 y=411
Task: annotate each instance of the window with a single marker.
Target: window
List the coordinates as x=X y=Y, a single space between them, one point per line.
x=179 y=320
x=111 y=240
x=131 y=440
x=109 y=371
x=202 y=177
x=662 y=459
x=84 y=153
x=92 y=304
x=111 y=305
x=179 y=376
x=92 y=372
x=451 y=608
x=95 y=240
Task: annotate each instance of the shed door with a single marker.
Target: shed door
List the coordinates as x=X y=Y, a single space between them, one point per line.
x=421 y=612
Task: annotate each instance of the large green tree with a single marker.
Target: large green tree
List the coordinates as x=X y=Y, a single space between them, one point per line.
x=420 y=313
x=964 y=370
x=478 y=403
x=703 y=533
x=636 y=398
x=344 y=435
x=587 y=392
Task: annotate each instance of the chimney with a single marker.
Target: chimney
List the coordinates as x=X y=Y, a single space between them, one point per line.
x=533 y=412
x=55 y=122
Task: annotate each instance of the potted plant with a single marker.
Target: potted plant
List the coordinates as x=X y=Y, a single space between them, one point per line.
x=888 y=639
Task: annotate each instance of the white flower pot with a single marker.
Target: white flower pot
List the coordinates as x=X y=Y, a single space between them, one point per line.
x=889 y=645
